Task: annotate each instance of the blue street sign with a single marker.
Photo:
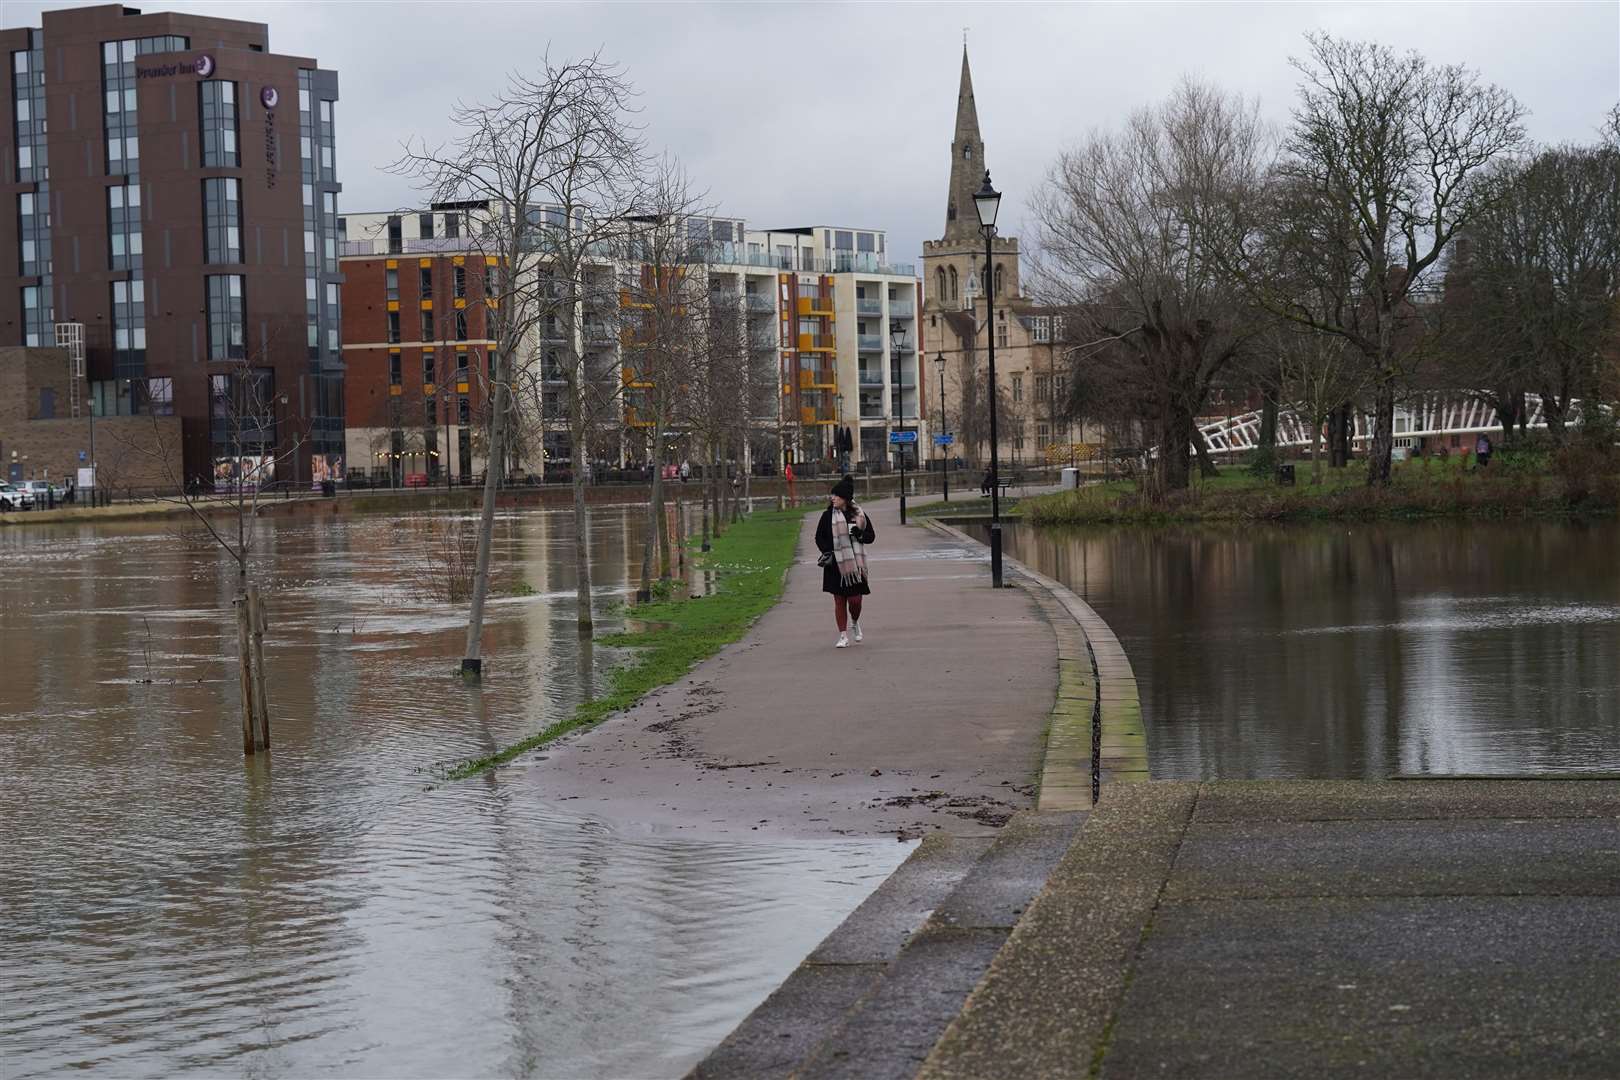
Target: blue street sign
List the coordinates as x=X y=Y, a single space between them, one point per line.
x=81 y=455
x=902 y=436
x=944 y=440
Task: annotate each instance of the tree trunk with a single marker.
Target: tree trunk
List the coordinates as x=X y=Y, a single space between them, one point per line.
x=1173 y=467
x=1206 y=464
x=582 y=530
x=705 y=486
x=261 y=694
x=1316 y=456
x=244 y=651
x=472 y=657
x=1383 y=437
x=714 y=479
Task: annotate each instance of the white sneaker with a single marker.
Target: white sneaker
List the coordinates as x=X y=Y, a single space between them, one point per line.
x=857 y=628
x=843 y=642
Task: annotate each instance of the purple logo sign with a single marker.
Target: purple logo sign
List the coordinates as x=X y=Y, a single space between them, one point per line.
x=205 y=66
x=269 y=96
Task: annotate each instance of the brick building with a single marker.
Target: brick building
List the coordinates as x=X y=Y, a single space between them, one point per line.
x=40 y=439
x=416 y=345
x=181 y=205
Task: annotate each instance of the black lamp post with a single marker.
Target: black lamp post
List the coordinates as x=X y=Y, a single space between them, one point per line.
x=944 y=429
x=987 y=201
x=897 y=339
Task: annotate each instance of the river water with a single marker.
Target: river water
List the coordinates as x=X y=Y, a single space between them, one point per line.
x=169 y=909
x=1360 y=650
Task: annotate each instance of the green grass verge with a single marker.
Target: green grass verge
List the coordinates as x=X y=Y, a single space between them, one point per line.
x=964 y=507
x=1423 y=489
x=749 y=562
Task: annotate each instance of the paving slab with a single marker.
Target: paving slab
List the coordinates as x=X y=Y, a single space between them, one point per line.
x=1401 y=858
x=1354 y=800
x=1411 y=987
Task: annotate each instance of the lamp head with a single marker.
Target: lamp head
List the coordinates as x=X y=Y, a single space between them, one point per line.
x=987 y=201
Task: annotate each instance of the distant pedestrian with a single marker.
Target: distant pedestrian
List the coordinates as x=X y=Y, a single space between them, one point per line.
x=686 y=471
x=842 y=535
x=793 y=495
x=984 y=485
x=1482 y=450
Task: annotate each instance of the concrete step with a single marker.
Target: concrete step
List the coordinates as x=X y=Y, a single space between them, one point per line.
x=875 y=996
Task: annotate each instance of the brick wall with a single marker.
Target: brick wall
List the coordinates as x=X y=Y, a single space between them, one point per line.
x=39 y=439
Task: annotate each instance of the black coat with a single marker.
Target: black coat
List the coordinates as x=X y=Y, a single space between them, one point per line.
x=830 y=580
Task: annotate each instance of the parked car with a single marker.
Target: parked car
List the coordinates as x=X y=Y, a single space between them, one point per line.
x=13 y=497
x=41 y=492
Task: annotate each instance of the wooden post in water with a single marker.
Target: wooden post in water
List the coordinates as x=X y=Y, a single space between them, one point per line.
x=261 y=695
x=244 y=650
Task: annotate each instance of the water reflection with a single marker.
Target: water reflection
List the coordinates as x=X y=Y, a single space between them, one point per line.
x=1360 y=651
x=168 y=908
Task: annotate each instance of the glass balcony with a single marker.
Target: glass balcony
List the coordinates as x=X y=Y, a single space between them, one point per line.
x=902 y=309
x=871 y=378
x=870 y=342
x=761 y=302
x=868 y=307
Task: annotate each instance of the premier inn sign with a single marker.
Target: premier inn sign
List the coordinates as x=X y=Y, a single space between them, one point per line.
x=202 y=67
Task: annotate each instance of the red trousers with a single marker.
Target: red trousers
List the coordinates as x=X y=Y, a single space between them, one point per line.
x=846 y=608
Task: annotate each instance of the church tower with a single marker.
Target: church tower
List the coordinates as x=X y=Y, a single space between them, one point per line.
x=950 y=262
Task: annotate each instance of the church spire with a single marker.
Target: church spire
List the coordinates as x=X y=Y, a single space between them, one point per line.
x=967 y=162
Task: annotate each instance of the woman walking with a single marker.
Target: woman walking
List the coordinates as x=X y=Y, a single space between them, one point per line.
x=842 y=535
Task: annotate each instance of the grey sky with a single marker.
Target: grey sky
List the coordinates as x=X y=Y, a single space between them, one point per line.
x=796 y=114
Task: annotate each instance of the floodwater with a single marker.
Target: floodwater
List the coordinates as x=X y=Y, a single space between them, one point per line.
x=331 y=910
x=1362 y=651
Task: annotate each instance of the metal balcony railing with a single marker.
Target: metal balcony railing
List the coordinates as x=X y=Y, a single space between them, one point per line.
x=901 y=309
x=871 y=378
x=868 y=307
x=870 y=342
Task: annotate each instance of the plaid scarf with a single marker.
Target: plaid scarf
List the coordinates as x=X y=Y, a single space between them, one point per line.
x=847 y=547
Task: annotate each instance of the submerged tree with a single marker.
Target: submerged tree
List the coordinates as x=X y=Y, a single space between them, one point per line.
x=548 y=170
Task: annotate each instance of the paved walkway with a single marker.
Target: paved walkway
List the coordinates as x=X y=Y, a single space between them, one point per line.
x=1315 y=930
x=934 y=723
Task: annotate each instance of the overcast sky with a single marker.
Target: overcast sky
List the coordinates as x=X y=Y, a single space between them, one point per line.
x=800 y=114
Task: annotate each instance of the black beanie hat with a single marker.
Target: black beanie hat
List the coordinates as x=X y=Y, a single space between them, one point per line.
x=845 y=489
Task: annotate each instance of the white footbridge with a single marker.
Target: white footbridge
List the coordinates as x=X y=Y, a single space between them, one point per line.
x=1431 y=415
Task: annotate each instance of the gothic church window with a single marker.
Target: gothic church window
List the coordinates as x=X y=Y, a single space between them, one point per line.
x=998 y=279
x=939 y=273
x=955 y=295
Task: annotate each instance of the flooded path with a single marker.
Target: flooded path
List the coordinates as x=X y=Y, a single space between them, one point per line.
x=169 y=909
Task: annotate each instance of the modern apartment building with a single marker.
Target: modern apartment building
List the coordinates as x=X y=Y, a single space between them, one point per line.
x=170 y=187
x=416 y=345
x=818 y=300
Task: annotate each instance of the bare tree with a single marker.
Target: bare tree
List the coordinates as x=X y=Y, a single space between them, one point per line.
x=1533 y=291
x=555 y=162
x=1382 y=168
x=1316 y=375
x=1124 y=242
x=245 y=410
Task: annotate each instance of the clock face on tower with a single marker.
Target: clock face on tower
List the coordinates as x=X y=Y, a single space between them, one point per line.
x=270 y=97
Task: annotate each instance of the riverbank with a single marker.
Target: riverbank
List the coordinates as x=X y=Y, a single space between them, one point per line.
x=749 y=565
x=1419 y=490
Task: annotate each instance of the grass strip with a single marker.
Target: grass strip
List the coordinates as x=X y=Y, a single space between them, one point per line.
x=749 y=563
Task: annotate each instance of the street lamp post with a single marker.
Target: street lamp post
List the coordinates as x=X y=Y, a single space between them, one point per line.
x=897 y=339
x=987 y=201
x=944 y=429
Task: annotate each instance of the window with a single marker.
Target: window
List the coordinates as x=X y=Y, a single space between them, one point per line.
x=425 y=285
x=939 y=287
x=1018 y=388
x=394 y=375
x=998 y=279
x=160 y=397
x=461 y=325
x=452 y=226
x=1041 y=329
x=424 y=225
x=461 y=282
x=967 y=151
x=129 y=317
x=430 y=364
x=427 y=326
x=33 y=219
x=393 y=327
x=955 y=294
x=1060 y=386
x=391 y=284
x=37 y=329
x=218 y=104
x=124 y=226
x=1043 y=388
x=222 y=220
x=1043 y=436
x=395 y=232
x=1001 y=333
x=226 y=340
